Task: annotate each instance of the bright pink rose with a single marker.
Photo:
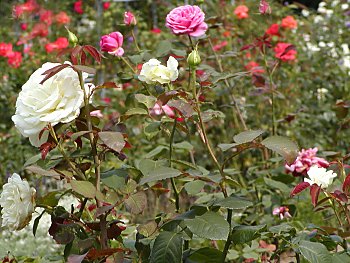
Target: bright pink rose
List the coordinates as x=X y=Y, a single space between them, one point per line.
x=160 y=109
x=78 y=7
x=282 y=212
x=289 y=22
x=106 y=5
x=220 y=45
x=14 y=60
x=112 y=44
x=5 y=49
x=187 y=20
x=306 y=159
x=46 y=17
x=24 y=26
x=285 y=51
x=241 y=12
x=273 y=30
x=62 y=18
x=129 y=19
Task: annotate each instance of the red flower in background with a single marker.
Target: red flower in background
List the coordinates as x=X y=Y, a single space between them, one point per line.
x=59 y=44
x=46 y=17
x=156 y=30
x=14 y=59
x=106 y=5
x=285 y=51
x=5 y=49
x=289 y=22
x=27 y=7
x=39 y=30
x=78 y=7
x=24 y=26
x=241 y=12
x=220 y=45
x=254 y=68
x=62 y=18
x=273 y=30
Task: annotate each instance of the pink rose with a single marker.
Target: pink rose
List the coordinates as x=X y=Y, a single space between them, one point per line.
x=78 y=7
x=187 y=20
x=60 y=43
x=285 y=51
x=289 y=22
x=241 y=12
x=273 y=30
x=46 y=17
x=5 y=49
x=129 y=18
x=62 y=18
x=14 y=60
x=112 y=44
x=264 y=7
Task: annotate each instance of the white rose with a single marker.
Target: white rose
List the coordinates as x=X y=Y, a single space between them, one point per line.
x=152 y=71
x=320 y=176
x=58 y=99
x=17 y=202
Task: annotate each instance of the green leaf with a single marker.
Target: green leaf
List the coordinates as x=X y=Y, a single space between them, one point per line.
x=160 y=173
x=51 y=199
x=227 y=146
x=283 y=146
x=244 y=234
x=137 y=202
x=136 y=111
x=277 y=185
x=314 y=252
x=183 y=145
x=167 y=248
x=194 y=187
x=148 y=101
x=208 y=115
x=247 y=136
x=113 y=140
x=233 y=203
x=206 y=255
x=115 y=178
x=164 y=48
x=340 y=258
x=84 y=188
x=210 y=225
x=152 y=129
x=225 y=76
x=36 y=222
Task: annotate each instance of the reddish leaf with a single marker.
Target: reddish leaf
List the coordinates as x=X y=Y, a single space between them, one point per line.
x=76 y=51
x=247 y=47
x=42 y=131
x=346 y=184
x=114 y=231
x=83 y=58
x=84 y=68
x=314 y=192
x=76 y=258
x=289 y=48
x=340 y=196
x=94 y=53
x=299 y=188
x=258 y=81
x=53 y=71
x=45 y=148
x=95 y=254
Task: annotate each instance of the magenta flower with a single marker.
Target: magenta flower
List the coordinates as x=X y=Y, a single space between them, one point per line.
x=112 y=44
x=188 y=20
x=305 y=160
x=129 y=19
x=160 y=109
x=282 y=212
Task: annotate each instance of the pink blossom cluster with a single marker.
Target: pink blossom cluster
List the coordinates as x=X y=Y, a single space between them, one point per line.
x=305 y=160
x=282 y=212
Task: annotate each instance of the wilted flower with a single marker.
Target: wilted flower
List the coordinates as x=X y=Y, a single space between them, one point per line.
x=14 y=59
x=241 y=12
x=285 y=51
x=17 y=202
x=58 y=99
x=153 y=72
x=188 y=20
x=282 y=212
x=129 y=18
x=305 y=160
x=112 y=44
x=320 y=176
x=289 y=22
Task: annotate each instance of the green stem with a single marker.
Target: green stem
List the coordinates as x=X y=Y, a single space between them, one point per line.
x=273 y=120
x=135 y=40
x=128 y=64
x=173 y=184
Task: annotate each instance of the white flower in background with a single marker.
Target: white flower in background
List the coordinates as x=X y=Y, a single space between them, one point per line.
x=305 y=12
x=17 y=202
x=318 y=19
x=58 y=99
x=320 y=176
x=153 y=72
x=344 y=6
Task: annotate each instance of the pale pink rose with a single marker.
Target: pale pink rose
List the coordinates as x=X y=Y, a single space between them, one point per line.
x=129 y=19
x=282 y=212
x=160 y=109
x=305 y=160
x=188 y=20
x=112 y=44
x=264 y=7
x=241 y=12
x=96 y=113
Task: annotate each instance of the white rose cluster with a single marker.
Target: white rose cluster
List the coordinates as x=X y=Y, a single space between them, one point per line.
x=320 y=176
x=17 y=201
x=153 y=72
x=58 y=99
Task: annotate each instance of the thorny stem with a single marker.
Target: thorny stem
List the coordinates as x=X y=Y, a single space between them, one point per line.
x=238 y=111
x=79 y=174
x=104 y=238
x=173 y=184
x=211 y=152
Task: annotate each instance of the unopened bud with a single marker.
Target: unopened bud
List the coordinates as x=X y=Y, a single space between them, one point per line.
x=194 y=58
x=72 y=37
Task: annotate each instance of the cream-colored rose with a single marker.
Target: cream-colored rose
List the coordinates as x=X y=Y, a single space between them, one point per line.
x=153 y=72
x=58 y=99
x=320 y=176
x=17 y=202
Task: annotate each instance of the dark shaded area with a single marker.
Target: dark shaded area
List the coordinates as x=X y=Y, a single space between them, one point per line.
x=313 y=4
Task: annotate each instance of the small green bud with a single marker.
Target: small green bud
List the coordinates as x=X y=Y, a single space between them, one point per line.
x=72 y=37
x=194 y=58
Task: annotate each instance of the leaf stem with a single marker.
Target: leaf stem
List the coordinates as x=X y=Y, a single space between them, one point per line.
x=135 y=40
x=173 y=184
